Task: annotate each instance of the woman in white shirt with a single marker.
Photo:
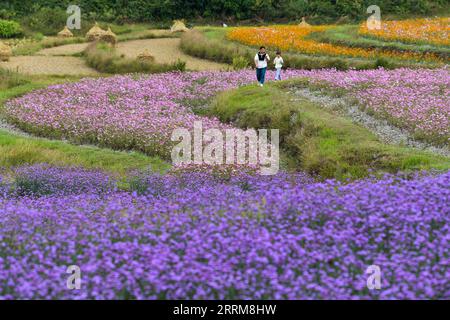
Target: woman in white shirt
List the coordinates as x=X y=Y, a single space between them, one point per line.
x=278 y=62
x=261 y=59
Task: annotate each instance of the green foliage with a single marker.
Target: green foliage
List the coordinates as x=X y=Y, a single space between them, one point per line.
x=178 y=65
x=17 y=150
x=212 y=45
x=144 y=34
x=9 y=29
x=47 y=21
x=32 y=47
x=315 y=140
x=383 y=63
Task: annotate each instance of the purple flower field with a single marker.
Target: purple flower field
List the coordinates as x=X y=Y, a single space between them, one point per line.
x=196 y=236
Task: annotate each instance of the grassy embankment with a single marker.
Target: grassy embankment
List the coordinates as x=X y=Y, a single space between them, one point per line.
x=315 y=140
x=30 y=46
x=20 y=150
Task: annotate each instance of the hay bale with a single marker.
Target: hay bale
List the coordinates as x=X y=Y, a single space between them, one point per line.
x=146 y=56
x=5 y=52
x=109 y=37
x=304 y=23
x=94 y=33
x=65 y=33
x=178 y=25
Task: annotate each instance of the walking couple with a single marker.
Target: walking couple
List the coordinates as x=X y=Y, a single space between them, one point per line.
x=261 y=60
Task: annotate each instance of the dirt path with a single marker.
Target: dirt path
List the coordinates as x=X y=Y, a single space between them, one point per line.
x=64 y=50
x=54 y=65
x=166 y=50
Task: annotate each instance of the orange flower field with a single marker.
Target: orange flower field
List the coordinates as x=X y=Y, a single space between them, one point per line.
x=435 y=30
x=294 y=38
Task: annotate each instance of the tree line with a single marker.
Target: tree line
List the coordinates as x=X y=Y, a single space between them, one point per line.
x=222 y=10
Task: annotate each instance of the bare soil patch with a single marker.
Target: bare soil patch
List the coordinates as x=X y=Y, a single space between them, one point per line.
x=50 y=65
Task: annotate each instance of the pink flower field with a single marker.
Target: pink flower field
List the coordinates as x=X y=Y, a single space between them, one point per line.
x=417 y=100
x=141 y=112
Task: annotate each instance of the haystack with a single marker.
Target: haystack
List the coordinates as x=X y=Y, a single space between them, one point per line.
x=94 y=33
x=5 y=52
x=178 y=25
x=109 y=37
x=65 y=33
x=304 y=23
x=146 y=56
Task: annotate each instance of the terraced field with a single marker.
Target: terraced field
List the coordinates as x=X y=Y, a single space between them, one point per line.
x=88 y=175
x=66 y=59
x=48 y=65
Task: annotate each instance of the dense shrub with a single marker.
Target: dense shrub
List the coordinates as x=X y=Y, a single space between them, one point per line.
x=9 y=29
x=348 y=36
x=46 y=20
x=196 y=44
x=7 y=14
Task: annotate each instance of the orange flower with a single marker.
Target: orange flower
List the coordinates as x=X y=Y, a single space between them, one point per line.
x=435 y=30
x=294 y=38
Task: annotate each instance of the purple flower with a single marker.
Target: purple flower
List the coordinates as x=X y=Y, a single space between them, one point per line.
x=197 y=236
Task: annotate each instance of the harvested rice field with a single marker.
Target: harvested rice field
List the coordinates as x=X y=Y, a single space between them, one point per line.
x=64 y=50
x=166 y=50
x=252 y=150
x=48 y=65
